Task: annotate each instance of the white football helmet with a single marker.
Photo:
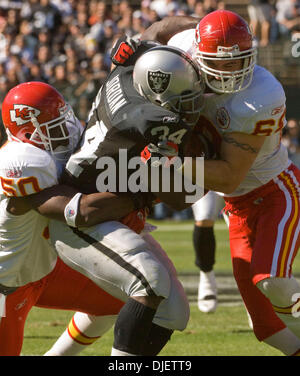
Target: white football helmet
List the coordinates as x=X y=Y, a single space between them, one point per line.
x=168 y=77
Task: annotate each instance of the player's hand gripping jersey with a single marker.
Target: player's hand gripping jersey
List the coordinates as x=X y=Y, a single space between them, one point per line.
x=120 y=119
x=253 y=111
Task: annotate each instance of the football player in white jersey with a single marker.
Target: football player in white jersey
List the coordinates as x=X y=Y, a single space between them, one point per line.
x=246 y=106
x=42 y=132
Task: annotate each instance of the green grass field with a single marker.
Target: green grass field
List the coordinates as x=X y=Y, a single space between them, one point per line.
x=226 y=332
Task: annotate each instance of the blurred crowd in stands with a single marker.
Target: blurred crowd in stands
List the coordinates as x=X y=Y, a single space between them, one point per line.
x=270 y=20
x=67 y=43
x=291 y=139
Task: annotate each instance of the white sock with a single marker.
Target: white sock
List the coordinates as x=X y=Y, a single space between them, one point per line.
x=207 y=284
x=285 y=341
x=284 y=294
x=83 y=330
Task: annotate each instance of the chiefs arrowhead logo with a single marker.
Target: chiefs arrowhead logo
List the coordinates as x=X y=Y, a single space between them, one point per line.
x=22 y=114
x=223 y=118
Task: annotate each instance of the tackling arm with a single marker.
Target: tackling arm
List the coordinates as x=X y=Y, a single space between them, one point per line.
x=238 y=152
x=93 y=208
x=163 y=30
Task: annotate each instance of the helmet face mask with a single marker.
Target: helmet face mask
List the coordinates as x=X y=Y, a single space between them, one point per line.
x=188 y=105
x=225 y=36
x=168 y=77
x=54 y=136
x=35 y=113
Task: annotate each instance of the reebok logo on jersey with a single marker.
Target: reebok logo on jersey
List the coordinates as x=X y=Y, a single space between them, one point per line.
x=170 y=119
x=13 y=173
x=277 y=110
x=21 y=114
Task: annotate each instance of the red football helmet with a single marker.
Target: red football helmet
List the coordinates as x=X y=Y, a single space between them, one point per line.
x=34 y=112
x=224 y=35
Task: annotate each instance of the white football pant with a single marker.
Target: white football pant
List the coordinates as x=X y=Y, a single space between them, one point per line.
x=124 y=264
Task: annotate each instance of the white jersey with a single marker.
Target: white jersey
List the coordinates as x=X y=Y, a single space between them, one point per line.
x=257 y=110
x=25 y=251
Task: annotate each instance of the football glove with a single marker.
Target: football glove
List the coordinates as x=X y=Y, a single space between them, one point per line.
x=163 y=148
x=136 y=220
x=123 y=49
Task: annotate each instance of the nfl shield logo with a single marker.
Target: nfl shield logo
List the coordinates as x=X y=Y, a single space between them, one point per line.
x=158 y=81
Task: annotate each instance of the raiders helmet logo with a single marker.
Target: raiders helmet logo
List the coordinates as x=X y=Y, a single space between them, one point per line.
x=158 y=81
x=22 y=114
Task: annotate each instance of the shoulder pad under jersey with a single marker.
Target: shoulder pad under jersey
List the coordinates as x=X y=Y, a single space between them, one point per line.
x=184 y=40
x=263 y=102
x=25 y=169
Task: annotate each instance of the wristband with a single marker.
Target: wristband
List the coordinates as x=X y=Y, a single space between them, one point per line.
x=71 y=210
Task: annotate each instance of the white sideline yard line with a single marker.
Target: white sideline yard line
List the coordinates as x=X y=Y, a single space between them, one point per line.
x=186 y=227
x=223 y=304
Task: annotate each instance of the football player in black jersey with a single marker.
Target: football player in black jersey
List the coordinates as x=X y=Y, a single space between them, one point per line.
x=145 y=108
x=122 y=118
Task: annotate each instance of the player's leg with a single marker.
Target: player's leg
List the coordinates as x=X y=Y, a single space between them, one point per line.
x=267 y=326
x=251 y=237
x=83 y=330
x=204 y=243
x=17 y=306
x=172 y=313
x=272 y=275
x=118 y=260
x=69 y=290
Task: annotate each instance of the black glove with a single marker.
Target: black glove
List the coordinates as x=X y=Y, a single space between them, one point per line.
x=123 y=49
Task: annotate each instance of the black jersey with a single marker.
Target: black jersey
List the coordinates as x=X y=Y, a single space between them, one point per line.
x=120 y=118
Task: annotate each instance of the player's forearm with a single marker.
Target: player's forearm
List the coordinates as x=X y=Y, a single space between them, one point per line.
x=164 y=184
x=176 y=201
x=101 y=207
x=163 y=30
x=218 y=175
x=237 y=155
x=92 y=209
